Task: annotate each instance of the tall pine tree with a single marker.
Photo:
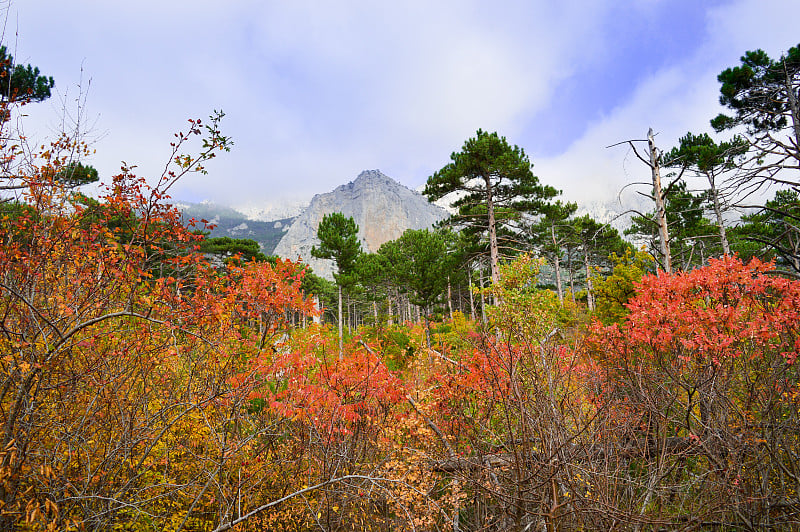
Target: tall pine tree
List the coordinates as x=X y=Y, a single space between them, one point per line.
x=494 y=185
x=338 y=236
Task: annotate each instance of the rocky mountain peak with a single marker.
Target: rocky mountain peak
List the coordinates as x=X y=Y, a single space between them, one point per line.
x=373 y=175
x=368 y=179
x=381 y=207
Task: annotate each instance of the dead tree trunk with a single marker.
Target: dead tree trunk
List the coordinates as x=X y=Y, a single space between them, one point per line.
x=658 y=196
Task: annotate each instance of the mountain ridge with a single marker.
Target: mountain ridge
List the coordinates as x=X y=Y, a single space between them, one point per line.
x=230 y=222
x=382 y=208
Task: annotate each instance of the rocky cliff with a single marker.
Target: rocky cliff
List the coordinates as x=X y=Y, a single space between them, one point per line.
x=381 y=207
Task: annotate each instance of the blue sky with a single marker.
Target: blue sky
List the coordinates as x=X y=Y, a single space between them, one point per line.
x=315 y=92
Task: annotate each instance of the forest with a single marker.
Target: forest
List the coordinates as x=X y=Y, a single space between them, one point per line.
x=518 y=368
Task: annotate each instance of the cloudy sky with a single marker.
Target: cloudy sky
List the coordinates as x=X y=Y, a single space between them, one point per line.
x=315 y=92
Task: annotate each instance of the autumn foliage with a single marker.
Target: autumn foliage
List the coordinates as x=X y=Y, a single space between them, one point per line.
x=143 y=388
x=702 y=378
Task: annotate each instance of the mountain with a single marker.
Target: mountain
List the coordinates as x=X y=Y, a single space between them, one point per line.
x=232 y=223
x=381 y=207
x=269 y=212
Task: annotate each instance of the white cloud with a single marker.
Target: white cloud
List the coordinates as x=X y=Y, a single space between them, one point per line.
x=674 y=100
x=316 y=92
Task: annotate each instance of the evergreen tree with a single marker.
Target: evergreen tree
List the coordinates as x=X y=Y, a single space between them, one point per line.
x=373 y=273
x=226 y=249
x=763 y=95
x=76 y=174
x=423 y=261
x=338 y=238
x=701 y=156
x=598 y=242
x=772 y=233
x=22 y=84
x=496 y=185
x=549 y=234
x=692 y=235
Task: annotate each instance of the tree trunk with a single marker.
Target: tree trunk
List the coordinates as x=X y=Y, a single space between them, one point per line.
x=341 y=349
x=317 y=318
x=794 y=246
x=557 y=264
x=427 y=329
x=726 y=249
x=471 y=298
x=494 y=254
x=483 y=302
x=794 y=107
x=658 y=195
x=449 y=298
x=571 y=275
x=349 y=316
x=589 y=287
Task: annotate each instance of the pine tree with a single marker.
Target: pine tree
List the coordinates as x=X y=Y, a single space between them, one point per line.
x=338 y=238
x=763 y=94
x=496 y=186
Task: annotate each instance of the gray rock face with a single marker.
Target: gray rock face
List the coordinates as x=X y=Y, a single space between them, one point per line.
x=381 y=207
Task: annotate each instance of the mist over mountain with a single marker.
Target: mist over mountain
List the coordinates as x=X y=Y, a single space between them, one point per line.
x=235 y=224
x=270 y=212
x=613 y=212
x=382 y=208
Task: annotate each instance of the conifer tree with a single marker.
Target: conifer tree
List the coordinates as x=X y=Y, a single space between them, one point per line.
x=763 y=95
x=549 y=233
x=338 y=238
x=700 y=155
x=423 y=261
x=772 y=233
x=20 y=83
x=496 y=185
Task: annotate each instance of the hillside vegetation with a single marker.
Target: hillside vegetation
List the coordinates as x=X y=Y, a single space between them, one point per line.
x=519 y=368
x=225 y=222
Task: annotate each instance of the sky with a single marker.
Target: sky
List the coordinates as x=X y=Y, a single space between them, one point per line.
x=316 y=92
